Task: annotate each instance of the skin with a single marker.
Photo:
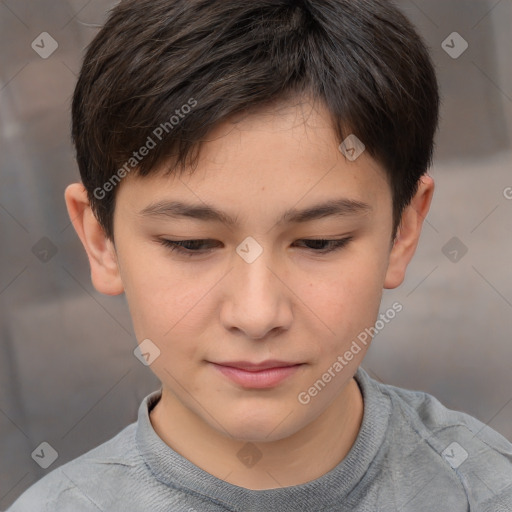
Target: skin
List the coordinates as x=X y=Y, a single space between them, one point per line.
x=291 y=303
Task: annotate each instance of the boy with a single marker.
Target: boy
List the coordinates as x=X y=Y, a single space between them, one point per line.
x=253 y=176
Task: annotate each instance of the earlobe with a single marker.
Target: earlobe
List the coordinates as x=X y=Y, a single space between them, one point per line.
x=100 y=250
x=408 y=233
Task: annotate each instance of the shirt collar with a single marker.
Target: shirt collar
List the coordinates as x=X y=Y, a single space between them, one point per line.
x=175 y=471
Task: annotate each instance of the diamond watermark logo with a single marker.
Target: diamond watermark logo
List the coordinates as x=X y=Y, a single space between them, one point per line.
x=455 y=455
x=249 y=250
x=45 y=455
x=454 y=45
x=454 y=250
x=146 y=352
x=44 y=45
x=352 y=148
x=44 y=250
x=249 y=455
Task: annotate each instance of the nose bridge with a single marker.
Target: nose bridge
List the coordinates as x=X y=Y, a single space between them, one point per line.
x=257 y=302
x=253 y=269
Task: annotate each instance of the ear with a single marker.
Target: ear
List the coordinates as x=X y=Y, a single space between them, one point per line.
x=100 y=250
x=408 y=233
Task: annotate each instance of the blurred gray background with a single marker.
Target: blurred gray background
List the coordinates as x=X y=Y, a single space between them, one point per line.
x=67 y=370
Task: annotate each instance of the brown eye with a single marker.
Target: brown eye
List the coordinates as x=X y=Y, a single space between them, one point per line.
x=325 y=246
x=186 y=247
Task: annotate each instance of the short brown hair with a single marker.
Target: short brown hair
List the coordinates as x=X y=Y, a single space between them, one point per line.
x=362 y=58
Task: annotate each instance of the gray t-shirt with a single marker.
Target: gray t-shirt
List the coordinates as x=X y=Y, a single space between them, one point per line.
x=412 y=454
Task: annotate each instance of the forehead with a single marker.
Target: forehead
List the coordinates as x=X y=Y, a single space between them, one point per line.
x=274 y=159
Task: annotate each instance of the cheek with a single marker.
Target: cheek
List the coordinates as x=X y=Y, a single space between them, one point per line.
x=345 y=300
x=159 y=295
x=174 y=308
x=167 y=310
x=165 y=305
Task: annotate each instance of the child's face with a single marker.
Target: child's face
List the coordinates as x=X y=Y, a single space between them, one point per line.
x=291 y=303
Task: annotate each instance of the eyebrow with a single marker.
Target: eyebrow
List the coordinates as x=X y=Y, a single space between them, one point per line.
x=204 y=212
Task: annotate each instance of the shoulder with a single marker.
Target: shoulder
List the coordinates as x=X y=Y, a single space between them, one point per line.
x=479 y=457
x=73 y=485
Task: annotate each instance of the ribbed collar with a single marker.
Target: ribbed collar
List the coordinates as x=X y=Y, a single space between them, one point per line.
x=174 y=470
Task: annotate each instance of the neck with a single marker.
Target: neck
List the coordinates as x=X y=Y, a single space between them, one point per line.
x=323 y=443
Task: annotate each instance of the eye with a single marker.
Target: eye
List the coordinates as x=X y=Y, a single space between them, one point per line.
x=192 y=247
x=185 y=247
x=329 y=245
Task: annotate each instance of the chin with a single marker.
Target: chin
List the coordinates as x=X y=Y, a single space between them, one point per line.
x=262 y=427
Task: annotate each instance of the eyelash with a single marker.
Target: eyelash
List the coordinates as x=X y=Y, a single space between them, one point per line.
x=178 y=245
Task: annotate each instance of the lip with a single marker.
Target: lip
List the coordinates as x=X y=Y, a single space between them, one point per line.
x=254 y=367
x=257 y=375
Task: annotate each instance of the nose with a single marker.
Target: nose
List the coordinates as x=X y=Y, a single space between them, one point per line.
x=258 y=302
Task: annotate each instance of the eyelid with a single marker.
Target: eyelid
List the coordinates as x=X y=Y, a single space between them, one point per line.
x=177 y=245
